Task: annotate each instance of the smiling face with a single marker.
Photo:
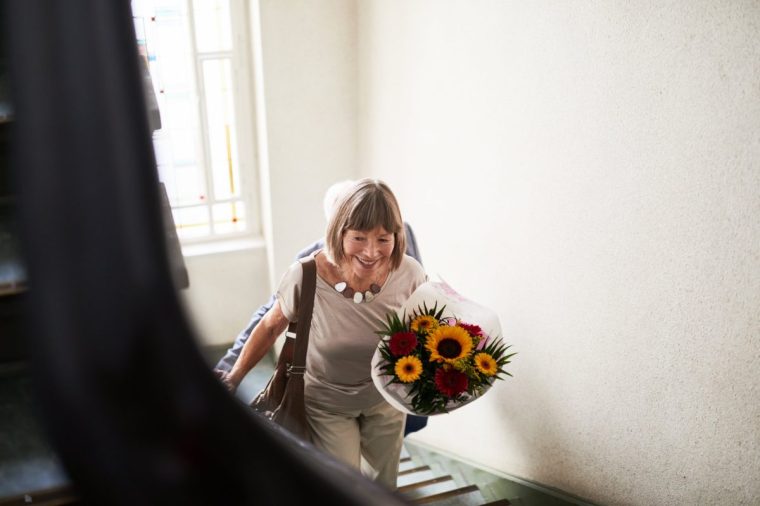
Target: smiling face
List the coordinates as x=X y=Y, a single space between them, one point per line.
x=367 y=252
x=368 y=210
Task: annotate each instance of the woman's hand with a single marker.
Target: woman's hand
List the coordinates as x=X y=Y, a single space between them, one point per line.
x=262 y=337
x=226 y=380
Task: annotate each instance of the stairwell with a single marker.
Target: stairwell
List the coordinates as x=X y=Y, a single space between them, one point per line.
x=429 y=477
x=422 y=484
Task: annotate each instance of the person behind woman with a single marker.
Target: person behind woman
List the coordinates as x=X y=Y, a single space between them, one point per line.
x=363 y=254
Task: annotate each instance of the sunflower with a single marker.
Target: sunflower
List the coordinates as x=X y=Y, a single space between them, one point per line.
x=448 y=344
x=408 y=369
x=485 y=364
x=424 y=324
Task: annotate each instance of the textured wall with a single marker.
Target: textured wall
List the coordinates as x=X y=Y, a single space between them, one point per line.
x=591 y=170
x=309 y=61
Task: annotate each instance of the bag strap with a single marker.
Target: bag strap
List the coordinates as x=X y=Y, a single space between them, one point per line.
x=305 y=310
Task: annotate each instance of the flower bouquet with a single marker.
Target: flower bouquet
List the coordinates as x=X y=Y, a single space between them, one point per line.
x=440 y=354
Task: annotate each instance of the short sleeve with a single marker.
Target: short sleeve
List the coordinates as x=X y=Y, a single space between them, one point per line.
x=414 y=272
x=289 y=291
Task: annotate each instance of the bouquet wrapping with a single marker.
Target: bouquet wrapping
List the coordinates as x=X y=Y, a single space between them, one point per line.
x=439 y=353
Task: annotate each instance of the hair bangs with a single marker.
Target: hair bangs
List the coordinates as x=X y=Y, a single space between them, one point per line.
x=372 y=212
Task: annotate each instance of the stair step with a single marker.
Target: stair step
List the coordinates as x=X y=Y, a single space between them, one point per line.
x=406 y=465
x=414 y=469
x=428 y=487
x=416 y=475
x=423 y=483
x=499 y=502
x=464 y=496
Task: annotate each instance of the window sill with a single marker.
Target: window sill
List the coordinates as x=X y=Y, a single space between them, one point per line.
x=222 y=246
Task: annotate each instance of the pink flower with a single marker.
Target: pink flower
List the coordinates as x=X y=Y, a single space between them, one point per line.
x=450 y=382
x=473 y=330
x=403 y=343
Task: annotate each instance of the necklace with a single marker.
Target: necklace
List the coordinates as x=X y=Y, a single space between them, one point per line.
x=359 y=297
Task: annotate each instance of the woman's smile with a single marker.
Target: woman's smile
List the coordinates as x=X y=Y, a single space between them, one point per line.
x=368 y=251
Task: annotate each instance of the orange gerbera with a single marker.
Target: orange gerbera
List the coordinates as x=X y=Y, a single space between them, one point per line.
x=486 y=364
x=424 y=324
x=408 y=369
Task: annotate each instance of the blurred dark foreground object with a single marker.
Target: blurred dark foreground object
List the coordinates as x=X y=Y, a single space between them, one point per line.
x=128 y=402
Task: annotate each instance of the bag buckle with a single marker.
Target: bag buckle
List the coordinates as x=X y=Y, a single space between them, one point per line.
x=296 y=369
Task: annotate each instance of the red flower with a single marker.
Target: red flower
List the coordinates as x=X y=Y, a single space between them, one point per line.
x=450 y=382
x=403 y=343
x=473 y=330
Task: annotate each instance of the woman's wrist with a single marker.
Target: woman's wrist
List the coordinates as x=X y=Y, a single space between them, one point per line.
x=233 y=379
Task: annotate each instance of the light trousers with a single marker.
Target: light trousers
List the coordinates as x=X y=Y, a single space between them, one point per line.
x=374 y=433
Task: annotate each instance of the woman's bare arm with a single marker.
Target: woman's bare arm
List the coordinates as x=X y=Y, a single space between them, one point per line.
x=262 y=338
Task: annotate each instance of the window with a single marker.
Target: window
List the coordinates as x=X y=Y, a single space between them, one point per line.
x=196 y=51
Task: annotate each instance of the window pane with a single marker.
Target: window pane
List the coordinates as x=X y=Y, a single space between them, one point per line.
x=217 y=79
x=168 y=35
x=212 y=25
x=183 y=177
x=191 y=222
x=229 y=217
x=165 y=36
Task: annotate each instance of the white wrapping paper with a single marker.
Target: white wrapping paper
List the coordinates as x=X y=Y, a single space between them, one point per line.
x=457 y=306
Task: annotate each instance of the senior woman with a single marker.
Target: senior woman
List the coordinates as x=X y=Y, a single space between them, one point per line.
x=363 y=254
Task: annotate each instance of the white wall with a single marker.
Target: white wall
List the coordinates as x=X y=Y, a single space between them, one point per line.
x=225 y=289
x=597 y=165
x=309 y=60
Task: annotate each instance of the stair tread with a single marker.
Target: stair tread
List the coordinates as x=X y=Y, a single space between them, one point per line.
x=416 y=477
x=406 y=465
x=423 y=483
x=430 y=487
x=414 y=469
x=463 y=496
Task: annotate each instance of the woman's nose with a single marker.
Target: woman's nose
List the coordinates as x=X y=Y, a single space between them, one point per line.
x=371 y=248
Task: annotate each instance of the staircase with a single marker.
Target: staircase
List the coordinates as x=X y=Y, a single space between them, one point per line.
x=427 y=476
x=423 y=483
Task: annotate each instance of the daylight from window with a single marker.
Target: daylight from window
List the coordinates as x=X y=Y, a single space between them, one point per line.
x=188 y=49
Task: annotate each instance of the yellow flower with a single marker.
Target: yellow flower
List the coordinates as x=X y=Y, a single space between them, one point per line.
x=448 y=344
x=408 y=368
x=424 y=324
x=485 y=364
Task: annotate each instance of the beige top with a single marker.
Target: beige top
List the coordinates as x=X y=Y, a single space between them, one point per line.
x=342 y=339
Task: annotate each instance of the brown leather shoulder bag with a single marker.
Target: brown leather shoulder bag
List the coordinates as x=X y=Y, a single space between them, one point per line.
x=282 y=400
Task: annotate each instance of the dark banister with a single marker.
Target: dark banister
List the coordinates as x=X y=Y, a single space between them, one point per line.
x=129 y=404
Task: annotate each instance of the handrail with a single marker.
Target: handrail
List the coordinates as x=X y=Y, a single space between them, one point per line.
x=127 y=400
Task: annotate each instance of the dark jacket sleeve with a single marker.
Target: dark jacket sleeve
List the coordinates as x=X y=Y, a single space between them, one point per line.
x=232 y=354
x=411 y=244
